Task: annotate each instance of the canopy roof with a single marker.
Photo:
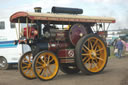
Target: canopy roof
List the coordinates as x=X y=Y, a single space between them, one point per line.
x=57 y=18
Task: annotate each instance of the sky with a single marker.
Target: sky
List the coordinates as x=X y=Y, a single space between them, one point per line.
x=111 y=8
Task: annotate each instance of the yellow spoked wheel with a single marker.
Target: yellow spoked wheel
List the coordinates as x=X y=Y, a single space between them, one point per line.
x=25 y=66
x=91 y=54
x=45 y=65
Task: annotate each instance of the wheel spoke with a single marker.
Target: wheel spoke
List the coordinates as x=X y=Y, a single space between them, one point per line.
x=42 y=72
x=32 y=74
x=88 y=44
x=43 y=60
x=48 y=59
x=49 y=70
x=26 y=71
x=100 y=58
x=39 y=67
x=97 y=54
x=99 y=49
x=86 y=47
x=39 y=63
x=30 y=62
x=30 y=71
x=96 y=47
x=51 y=60
x=46 y=72
x=86 y=60
x=84 y=54
x=90 y=65
x=96 y=60
x=95 y=43
x=91 y=44
x=51 y=64
x=25 y=67
x=95 y=64
x=25 y=63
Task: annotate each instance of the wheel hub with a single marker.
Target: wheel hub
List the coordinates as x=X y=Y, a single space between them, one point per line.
x=92 y=54
x=2 y=63
x=46 y=65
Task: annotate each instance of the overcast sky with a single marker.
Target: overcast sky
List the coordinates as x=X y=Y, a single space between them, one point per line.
x=113 y=8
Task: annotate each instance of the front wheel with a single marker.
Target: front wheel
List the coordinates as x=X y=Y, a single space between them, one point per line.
x=91 y=54
x=45 y=65
x=3 y=63
x=25 y=66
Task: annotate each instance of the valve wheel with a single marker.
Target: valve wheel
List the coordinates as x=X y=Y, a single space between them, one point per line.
x=91 y=54
x=25 y=65
x=45 y=65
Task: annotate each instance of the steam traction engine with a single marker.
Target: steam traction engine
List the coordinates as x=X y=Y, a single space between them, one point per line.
x=80 y=47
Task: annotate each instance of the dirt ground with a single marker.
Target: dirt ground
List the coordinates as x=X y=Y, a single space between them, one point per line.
x=116 y=73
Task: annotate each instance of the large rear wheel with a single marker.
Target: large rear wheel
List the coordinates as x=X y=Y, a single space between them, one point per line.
x=91 y=54
x=25 y=66
x=45 y=65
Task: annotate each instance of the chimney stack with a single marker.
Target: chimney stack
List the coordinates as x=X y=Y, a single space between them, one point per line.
x=38 y=9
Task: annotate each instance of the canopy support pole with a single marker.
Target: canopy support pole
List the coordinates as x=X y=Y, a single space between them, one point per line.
x=27 y=26
x=19 y=27
x=108 y=26
x=104 y=27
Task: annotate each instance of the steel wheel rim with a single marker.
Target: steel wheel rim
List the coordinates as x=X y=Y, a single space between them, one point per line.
x=26 y=66
x=94 y=54
x=3 y=62
x=46 y=66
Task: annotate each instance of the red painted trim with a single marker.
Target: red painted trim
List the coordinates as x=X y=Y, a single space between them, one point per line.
x=113 y=21
x=18 y=14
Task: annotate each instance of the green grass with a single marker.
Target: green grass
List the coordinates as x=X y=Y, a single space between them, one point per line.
x=112 y=52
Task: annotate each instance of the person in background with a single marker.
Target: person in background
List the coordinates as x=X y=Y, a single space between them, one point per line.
x=114 y=45
x=119 y=46
x=124 y=48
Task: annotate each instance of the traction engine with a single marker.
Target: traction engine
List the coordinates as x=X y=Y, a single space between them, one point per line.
x=82 y=47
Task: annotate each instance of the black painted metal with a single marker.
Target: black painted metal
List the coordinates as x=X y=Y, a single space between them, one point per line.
x=67 y=10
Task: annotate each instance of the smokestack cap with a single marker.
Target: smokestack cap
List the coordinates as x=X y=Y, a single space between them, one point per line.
x=38 y=9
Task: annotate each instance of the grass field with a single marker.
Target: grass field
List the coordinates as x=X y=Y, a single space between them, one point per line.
x=112 y=51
